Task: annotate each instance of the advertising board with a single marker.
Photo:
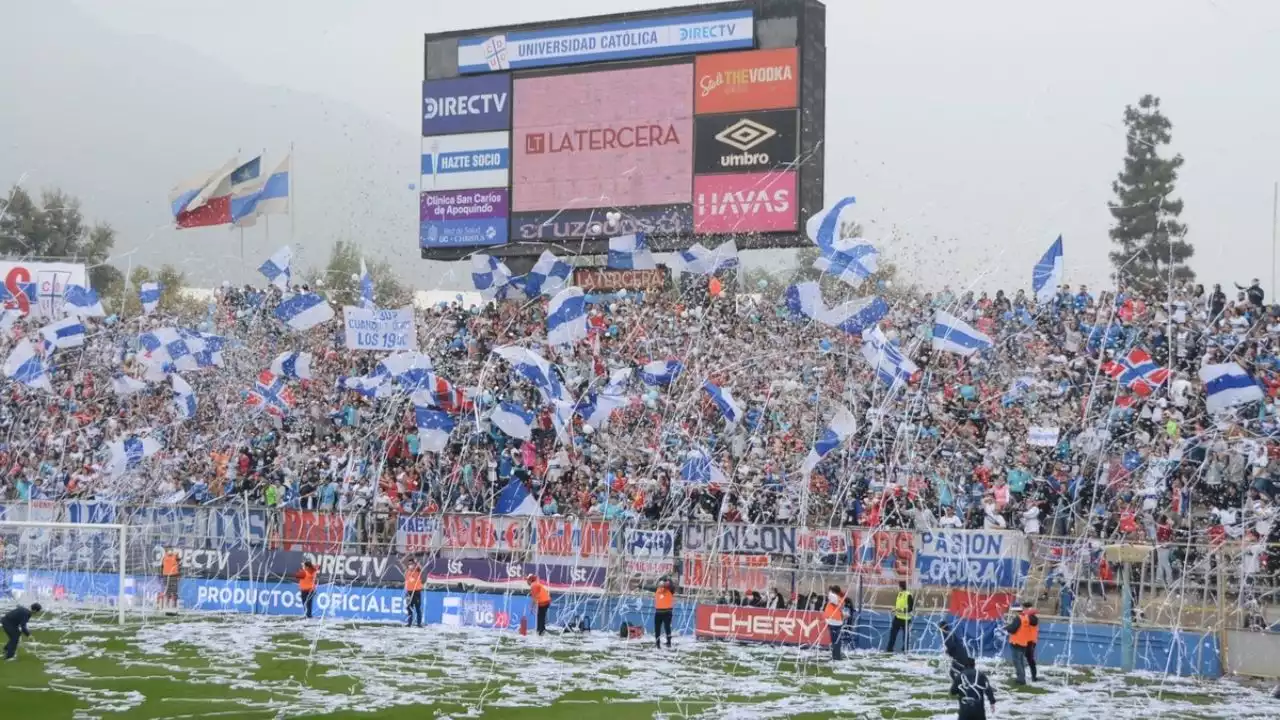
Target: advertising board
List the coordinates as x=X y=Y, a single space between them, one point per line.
x=470 y=104
x=603 y=139
x=787 y=627
x=607 y=41
x=596 y=279
x=745 y=141
x=593 y=224
x=37 y=288
x=465 y=162
x=752 y=202
x=463 y=217
x=753 y=80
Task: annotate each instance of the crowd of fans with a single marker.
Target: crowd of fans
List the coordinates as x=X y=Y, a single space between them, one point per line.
x=950 y=449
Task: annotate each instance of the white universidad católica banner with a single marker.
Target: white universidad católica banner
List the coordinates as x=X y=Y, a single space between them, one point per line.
x=380 y=329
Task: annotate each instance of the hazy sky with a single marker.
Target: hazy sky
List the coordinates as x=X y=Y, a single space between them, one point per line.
x=992 y=125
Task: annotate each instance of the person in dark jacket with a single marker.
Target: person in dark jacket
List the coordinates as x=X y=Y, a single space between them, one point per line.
x=14 y=622
x=971 y=685
x=955 y=649
x=1254 y=293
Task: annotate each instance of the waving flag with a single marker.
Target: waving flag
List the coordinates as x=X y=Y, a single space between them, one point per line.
x=82 y=302
x=1046 y=276
x=439 y=392
x=129 y=453
x=700 y=469
x=123 y=385
x=182 y=197
x=184 y=398
x=366 y=287
x=434 y=428
x=723 y=400
x=368 y=386
x=170 y=349
x=295 y=365
x=597 y=410
x=567 y=317
x=269 y=197
x=63 y=334
x=891 y=366
x=534 y=368
x=513 y=420
x=842 y=426
x=25 y=365
x=149 y=296
x=1138 y=372
x=489 y=276
x=410 y=370
x=660 y=372
x=304 y=311
x=276 y=268
x=548 y=275
x=698 y=260
x=630 y=252
x=215 y=203
x=951 y=334
x=272 y=394
x=852 y=263
x=514 y=499
x=1227 y=385
x=853 y=317
x=832 y=224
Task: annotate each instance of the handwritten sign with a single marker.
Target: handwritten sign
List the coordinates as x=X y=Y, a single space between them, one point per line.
x=380 y=329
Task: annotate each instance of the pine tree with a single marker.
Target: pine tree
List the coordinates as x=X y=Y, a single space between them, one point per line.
x=1150 y=238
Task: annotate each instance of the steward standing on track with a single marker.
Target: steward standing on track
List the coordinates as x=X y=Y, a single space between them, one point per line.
x=664 y=603
x=903 y=606
x=971 y=685
x=307 y=585
x=171 y=569
x=413 y=592
x=834 y=614
x=541 y=598
x=1024 y=632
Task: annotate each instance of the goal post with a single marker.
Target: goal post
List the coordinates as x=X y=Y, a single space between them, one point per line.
x=38 y=557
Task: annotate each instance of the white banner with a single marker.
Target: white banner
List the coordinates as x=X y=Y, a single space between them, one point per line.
x=37 y=288
x=380 y=329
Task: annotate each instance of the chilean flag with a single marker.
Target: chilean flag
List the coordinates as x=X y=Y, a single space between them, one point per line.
x=212 y=205
x=1137 y=372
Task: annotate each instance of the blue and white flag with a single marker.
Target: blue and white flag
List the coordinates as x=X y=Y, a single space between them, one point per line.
x=618 y=380
x=723 y=400
x=1228 y=385
x=951 y=334
x=368 y=385
x=698 y=260
x=599 y=407
x=842 y=426
x=489 y=276
x=184 y=398
x=891 y=366
x=1046 y=276
x=304 y=311
x=514 y=499
x=276 y=268
x=660 y=372
x=513 y=420
x=1042 y=436
x=833 y=224
x=82 y=302
x=267 y=197
x=124 y=385
x=700 y=469
x=853 y=317
x=567 y=317
x=549 y=275
x=366 y=287
x=149 y=296
x=630 y=252
x=295 y=365
x=534 y=368
x=169 y=349
x=63 y=334
x=434 y=428
x=852 y=263
x=411 y=370
x=129 y=453
x=25 y=365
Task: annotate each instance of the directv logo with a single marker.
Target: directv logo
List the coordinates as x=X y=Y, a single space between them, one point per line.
x=458 y=105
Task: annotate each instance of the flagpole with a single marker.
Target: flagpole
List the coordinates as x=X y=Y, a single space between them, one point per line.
x=241 y=243
x=1275 y=200
x=292 y=209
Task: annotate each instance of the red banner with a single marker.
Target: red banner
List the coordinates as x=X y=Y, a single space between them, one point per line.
x=970 y=605
x=790 y=627
x=883 y=557
x=726 y=572
x=573 y=537
x=313 y=531
x=483 y=532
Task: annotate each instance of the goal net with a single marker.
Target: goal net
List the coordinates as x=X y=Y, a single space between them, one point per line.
x=76 y=567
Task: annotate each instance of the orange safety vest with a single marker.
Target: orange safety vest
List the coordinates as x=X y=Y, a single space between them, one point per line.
x=1026 y=632
x=834 y=613
x=169 y=566
x=306 y=579
x=541 y=595
x=663 y=599
x=412 y=580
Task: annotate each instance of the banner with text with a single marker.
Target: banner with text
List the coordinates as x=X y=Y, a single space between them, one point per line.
x=979 y=558
x=387 y=329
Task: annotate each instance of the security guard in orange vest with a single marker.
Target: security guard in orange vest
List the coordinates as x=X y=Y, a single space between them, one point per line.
x=541 y=598
x=664 y=603
x=1024 y=632
x=834 y=614
x=307 y=585
x=412 y=592
x=171 y=569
